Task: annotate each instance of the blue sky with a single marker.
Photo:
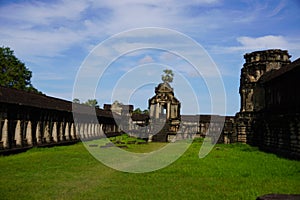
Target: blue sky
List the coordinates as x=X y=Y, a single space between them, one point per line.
x=54 y=37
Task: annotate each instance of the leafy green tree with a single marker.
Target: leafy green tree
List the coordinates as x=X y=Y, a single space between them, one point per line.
x=168 y=76
x=137 y=111
x=91 y=102
x=14 y=73
x=76 y=100
x=146 y=111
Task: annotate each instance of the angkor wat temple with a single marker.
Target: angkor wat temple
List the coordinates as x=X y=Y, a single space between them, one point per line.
x=268 y=118
x=270 y=102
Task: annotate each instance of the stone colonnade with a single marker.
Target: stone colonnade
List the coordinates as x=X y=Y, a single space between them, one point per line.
x=26 y=126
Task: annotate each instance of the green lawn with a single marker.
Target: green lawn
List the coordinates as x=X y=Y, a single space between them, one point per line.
x=69 y=172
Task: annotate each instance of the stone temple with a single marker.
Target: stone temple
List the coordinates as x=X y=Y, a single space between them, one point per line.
x=164 y=110
x=270 y=102
x=269 y=116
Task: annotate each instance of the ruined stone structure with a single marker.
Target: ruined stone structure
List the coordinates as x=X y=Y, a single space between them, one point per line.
x=269 y=116
x=29 y=119
x=270 y=102
x=164 y=109
x=256 y=65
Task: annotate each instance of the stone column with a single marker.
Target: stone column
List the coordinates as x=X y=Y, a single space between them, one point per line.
x=89 y=130
x=47 y=135
x=85 y=131
x=157 y=110
x=94 y=130
x=61 y=131
x=168 y=110
x=101 y=130
x=5 y=138
x=115 y=128
x=29 y=134
x=38 y=133
x=18 y=134
x=67 y=132
x=73 y=134
x=81 y=128
x=76 y=130
x=54 y=132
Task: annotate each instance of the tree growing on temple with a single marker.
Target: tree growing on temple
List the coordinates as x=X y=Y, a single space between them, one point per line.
x=168 y=76
x=13 y=72
x=76 y=100
x=92 y=102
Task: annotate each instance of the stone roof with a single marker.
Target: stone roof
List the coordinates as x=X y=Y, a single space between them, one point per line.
x=20 y=97
x=24 y=98
x=283 y=70
x=163 y=87
x=268 y=55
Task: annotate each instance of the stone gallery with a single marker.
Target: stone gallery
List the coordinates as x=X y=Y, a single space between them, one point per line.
x=268 y=117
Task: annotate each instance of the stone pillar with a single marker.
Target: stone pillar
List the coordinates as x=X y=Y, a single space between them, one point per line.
x=89 y=133
x=47 y=135
x=85 y=131
x=95 y=129
x=18 y=134
x=150 y=138
x=29 y=134
x=168 y=110
x=76 y=130
x=114 y=128
x=38 y=133
x=67 y=132
x=5 y=138
x=81 y=132
x=101 y=130
x=157 y=110
x=54 y=132
x=73 y=134
x=61 y=131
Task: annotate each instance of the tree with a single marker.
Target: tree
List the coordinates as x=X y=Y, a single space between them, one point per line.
x=137 y=111
x=76 y=100
x=168 y=76
x=146 y=111
x=92 y=102
x=13 y=73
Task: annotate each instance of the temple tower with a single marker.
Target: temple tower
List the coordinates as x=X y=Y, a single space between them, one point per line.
x=257 y=64
x=164 y=110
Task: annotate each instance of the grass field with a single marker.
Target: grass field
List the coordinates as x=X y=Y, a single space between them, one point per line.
x=69 y=172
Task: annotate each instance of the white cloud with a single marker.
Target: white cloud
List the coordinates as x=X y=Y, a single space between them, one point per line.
x=265 y=42
x=40 y=13
x=49 y=29
x=146 y=59
x=248 y=44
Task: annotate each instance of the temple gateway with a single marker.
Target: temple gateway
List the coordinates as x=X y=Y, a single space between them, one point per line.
x=164 y=109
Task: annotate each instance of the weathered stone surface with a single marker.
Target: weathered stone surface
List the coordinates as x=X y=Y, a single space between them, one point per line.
x=164 y=112
x=270 y=106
